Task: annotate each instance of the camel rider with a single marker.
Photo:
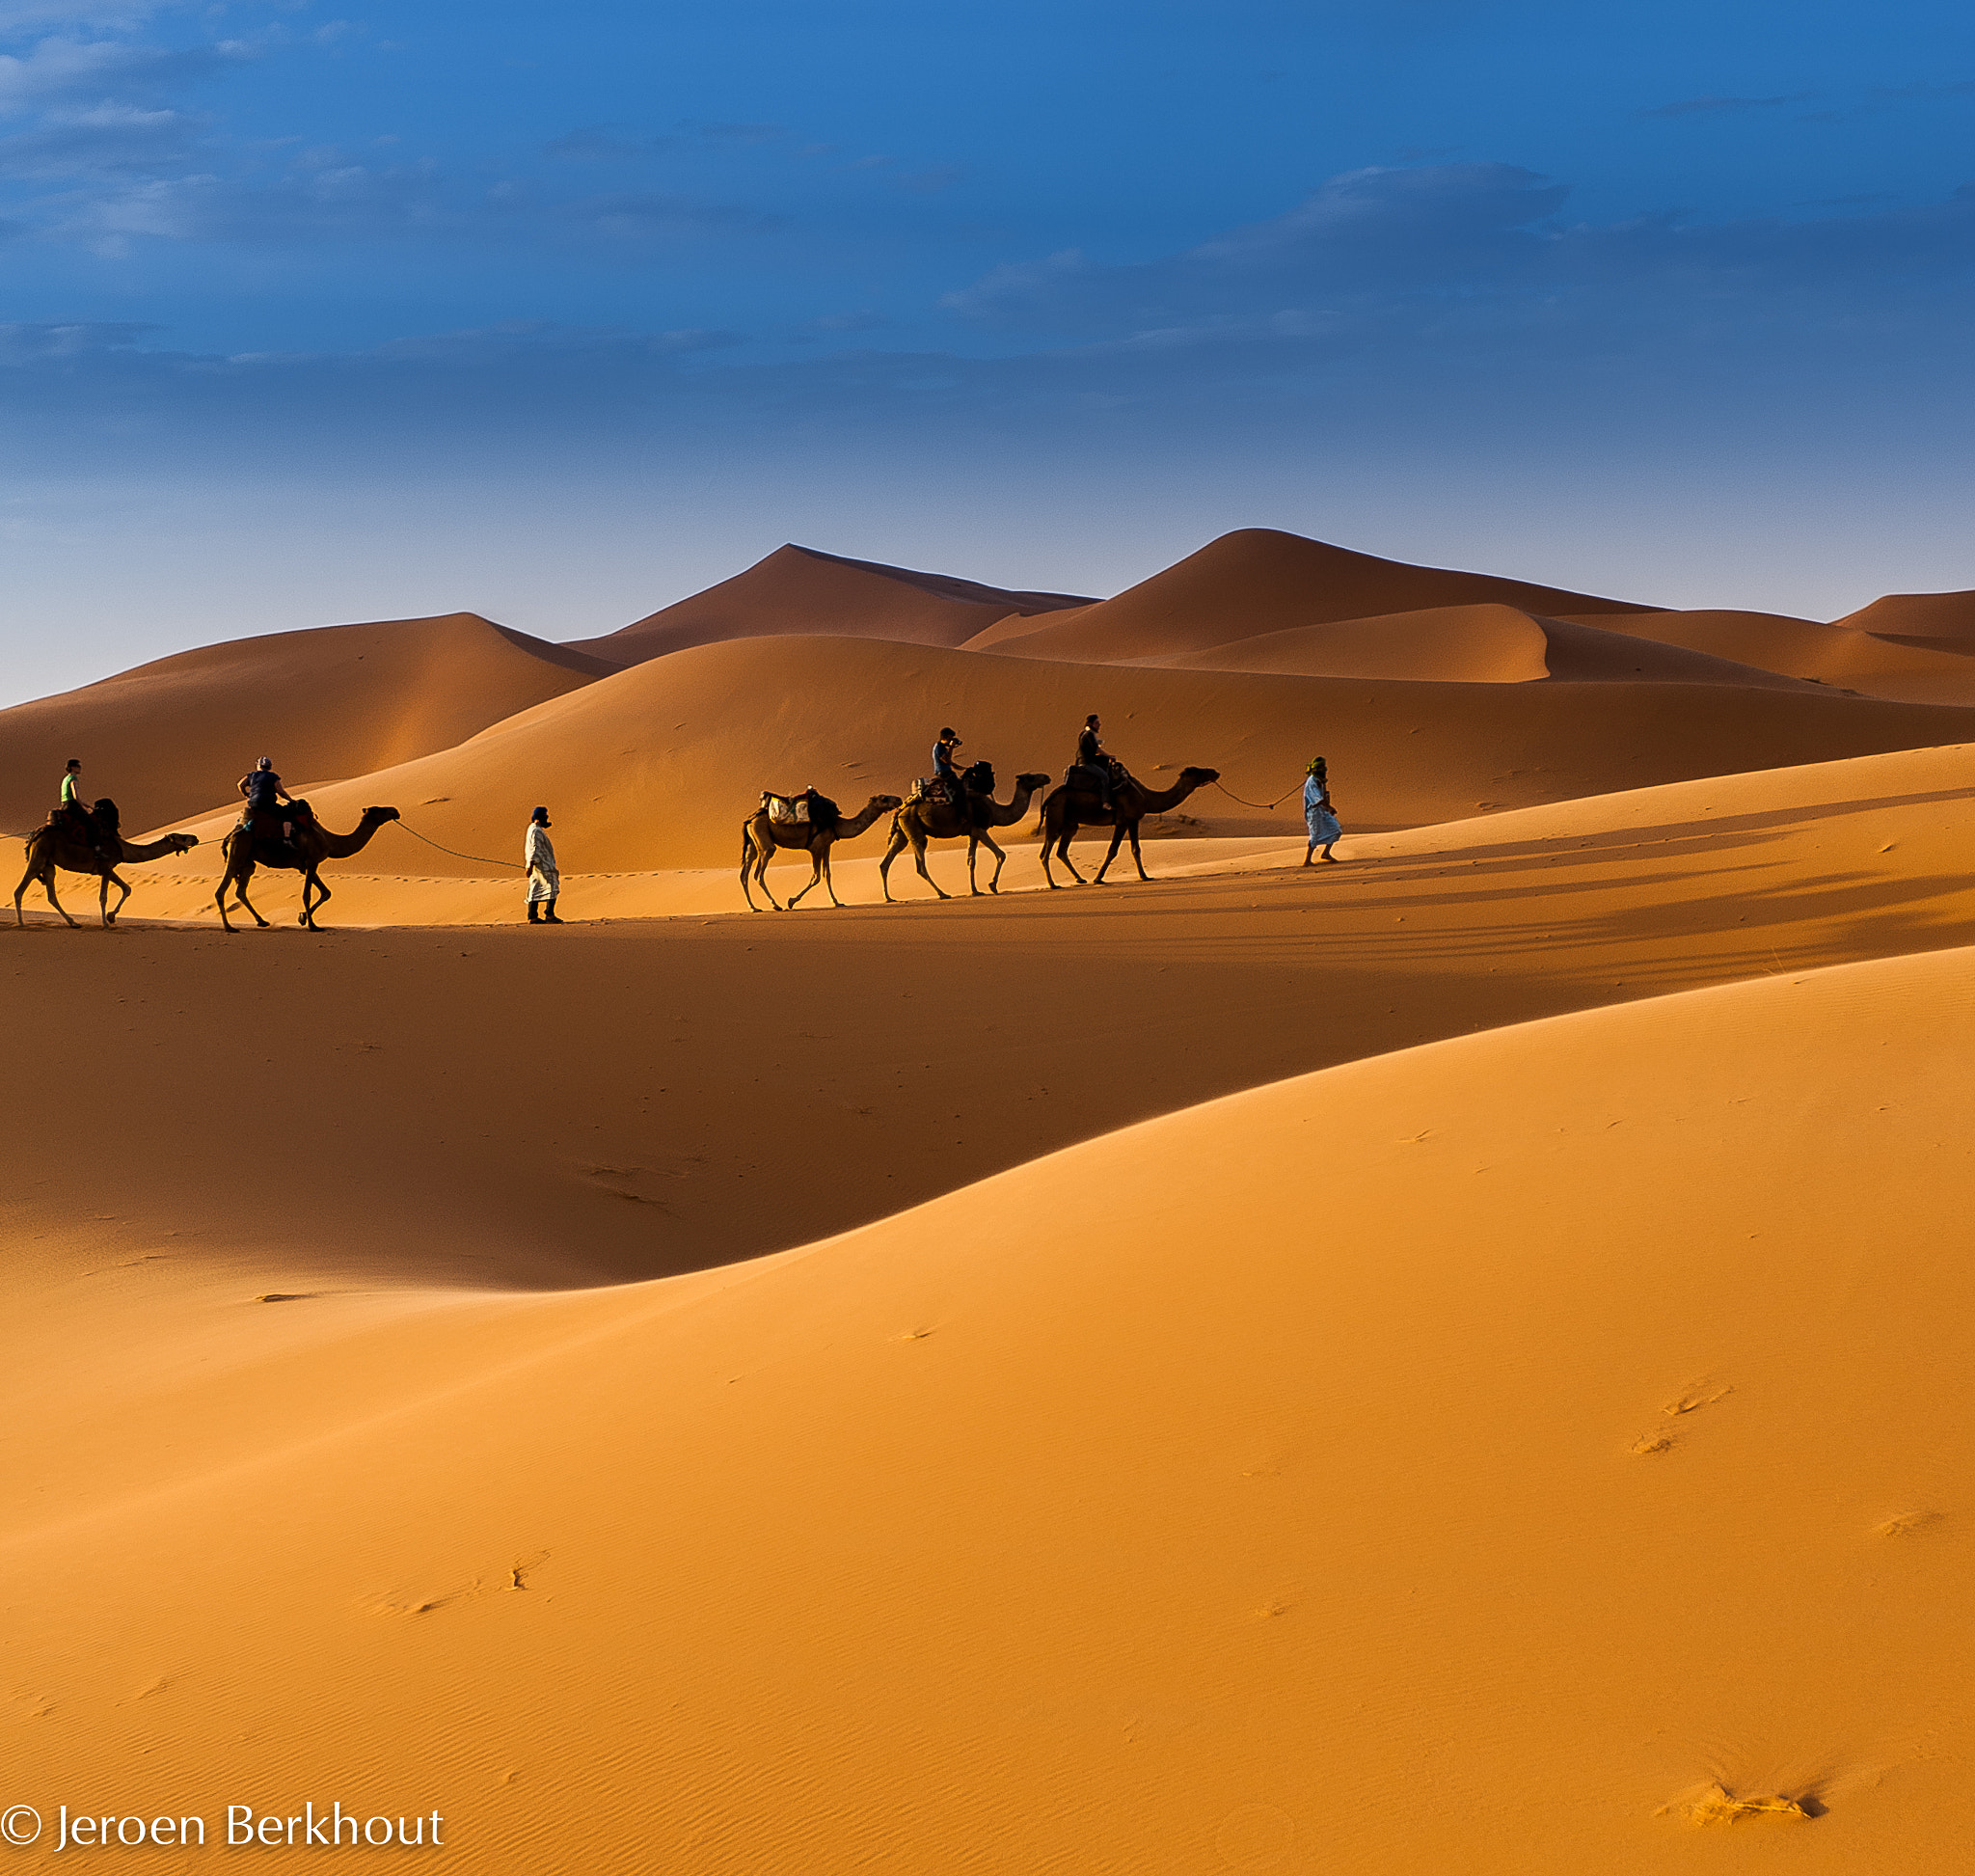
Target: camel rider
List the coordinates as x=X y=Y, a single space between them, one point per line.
x=946 y=772
x=264 y=793
x=1090 y=754
x=76 y=811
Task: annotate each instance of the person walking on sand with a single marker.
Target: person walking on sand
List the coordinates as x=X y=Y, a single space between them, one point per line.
x=1319 y=813
x=544 y=884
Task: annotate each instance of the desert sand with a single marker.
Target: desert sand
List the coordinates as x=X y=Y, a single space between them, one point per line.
x=1452 y=1361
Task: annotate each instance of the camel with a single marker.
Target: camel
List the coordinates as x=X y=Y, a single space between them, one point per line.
x=921 y=821
x=760 y=838
x=62 y=844
x=1068 y=808
x=313 y=844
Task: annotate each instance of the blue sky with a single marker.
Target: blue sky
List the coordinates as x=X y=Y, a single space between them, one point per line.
x=560 y=313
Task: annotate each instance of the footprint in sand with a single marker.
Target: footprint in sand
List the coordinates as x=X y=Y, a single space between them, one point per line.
x=1909 y=1524
x=1702 y=1393
x=1715 y=1804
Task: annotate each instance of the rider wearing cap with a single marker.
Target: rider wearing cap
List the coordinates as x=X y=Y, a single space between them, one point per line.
x=946 y=772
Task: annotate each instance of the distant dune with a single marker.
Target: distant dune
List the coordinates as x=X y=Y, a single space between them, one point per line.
x=1913 y=670
x=1469 y=645
x=795 y=590
x=657 y=766
x=1256 y=581
x=1949 y=618
x=172 y=738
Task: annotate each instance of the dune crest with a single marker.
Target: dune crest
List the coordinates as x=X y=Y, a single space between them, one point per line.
x=801 y=592
x=1258 y=580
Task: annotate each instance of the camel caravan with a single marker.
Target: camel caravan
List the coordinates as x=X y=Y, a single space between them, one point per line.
x=1096 y=791
x=277 y=832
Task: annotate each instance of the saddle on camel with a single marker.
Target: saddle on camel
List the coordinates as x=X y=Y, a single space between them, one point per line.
x=961 y=792
x=809 y=808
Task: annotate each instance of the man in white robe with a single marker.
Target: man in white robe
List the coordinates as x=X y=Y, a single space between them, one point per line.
x=544 y=884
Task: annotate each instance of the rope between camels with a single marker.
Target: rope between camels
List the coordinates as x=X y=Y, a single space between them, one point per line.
x=479 y=859
x=1265 y=806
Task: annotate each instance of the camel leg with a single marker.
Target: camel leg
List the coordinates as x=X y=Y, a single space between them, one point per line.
x=122 y=893
x=19 y=891
x=1062 y=853
x=1048 y=841
x=1117 y=840
x=754 y=859
x=1137 y=860
x=893 y=848
x=919 y=860
x=49 y=886
x=1000 y=861
x=240 y=897
x=830 y=884
x=766 y=854
x=815 y=875
x=309 y=911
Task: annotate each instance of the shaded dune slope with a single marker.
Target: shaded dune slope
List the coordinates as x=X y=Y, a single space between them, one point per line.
x=658 y=766
x=1470 y=644
x=798 y=591
x=1258 y=580
x=172 y=738
x=682 y=1081
x=1912 y=670
x=1511 y=1481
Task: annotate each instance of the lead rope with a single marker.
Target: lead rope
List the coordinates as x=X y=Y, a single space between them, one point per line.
x=1265 y=807
x=479 y=859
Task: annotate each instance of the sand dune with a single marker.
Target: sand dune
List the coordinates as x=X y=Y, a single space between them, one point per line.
x=172 y=738
x=1485 y=1430
x=1452 y=1361
x=1470 y=644
x=1910 y=670
x=656 y=767
x=1256 y=581
x=798 y=590
x=1947 y=617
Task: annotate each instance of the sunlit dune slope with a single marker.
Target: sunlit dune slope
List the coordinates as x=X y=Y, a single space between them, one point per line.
x=1470 y=1459
x=1927 y=616
x=173 y=738
x=798 y=590
x=1258 y=580
x=658 y=766
x=1470 y=644
x=1910 y=670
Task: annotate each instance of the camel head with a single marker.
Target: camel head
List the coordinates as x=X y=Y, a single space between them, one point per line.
x=1198 y=777
x=884 y=804
x=377 y=817
x=1033 y=782
x=180 y=843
